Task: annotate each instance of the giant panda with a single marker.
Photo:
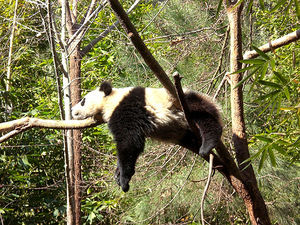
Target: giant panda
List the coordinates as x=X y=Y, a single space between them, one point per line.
x=135 y=113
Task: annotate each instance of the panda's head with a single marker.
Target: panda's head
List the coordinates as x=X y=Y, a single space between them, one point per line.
x=93 y=103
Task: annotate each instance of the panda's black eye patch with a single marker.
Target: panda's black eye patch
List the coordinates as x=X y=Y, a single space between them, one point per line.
x=82 y=102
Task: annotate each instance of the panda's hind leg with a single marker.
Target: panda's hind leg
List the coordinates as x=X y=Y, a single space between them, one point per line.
x=211 y=132
x=128 y=153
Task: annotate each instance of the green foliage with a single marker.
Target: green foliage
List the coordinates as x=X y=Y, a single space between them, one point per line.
x=166 y=188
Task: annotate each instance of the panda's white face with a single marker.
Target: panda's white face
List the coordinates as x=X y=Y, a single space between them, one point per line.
x=90 y=105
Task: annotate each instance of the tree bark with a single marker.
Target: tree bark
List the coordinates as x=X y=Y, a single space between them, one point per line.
x=75 y=86
x=253 y=200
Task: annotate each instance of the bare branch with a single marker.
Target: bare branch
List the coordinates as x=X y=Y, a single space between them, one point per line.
x=23 y=124
x=285 y=40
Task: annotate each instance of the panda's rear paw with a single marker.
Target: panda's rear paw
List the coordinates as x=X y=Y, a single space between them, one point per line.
x=206 y=147
x=124 y=183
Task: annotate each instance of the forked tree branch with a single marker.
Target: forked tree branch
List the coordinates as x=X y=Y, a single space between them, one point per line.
x=287 y=39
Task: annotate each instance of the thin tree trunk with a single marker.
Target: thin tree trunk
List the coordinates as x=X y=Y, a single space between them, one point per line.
x=75 y=71
x=254 y=201
x=11 y=40
x=68 y=135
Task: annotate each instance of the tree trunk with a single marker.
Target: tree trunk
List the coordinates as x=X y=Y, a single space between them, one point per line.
x=75 y=86
x=252 y=198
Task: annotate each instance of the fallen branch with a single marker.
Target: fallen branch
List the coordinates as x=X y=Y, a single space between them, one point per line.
x=18 y=126
x=270 y=46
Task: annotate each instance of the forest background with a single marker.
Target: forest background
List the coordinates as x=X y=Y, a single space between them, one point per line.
x=190 y=37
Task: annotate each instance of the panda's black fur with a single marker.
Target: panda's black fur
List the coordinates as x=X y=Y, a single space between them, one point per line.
x=132 y=121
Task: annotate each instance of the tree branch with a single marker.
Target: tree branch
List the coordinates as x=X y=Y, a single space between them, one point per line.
x=18 y=126
x=285 y=40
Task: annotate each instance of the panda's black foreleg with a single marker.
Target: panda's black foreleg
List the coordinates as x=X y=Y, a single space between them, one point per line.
x=211 y=132
x=128 y=153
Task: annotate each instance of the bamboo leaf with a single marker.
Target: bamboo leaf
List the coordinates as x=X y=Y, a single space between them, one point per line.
x=264 y=70
x=249 y=7
x=262 y=159
x=280 y=77
x=270 y=84
x=253 y=61
x=219 y=8
x=287 y=93
x=261 y=53
x=246 y=78
x=272 y=157
x=274 y=93
x=272 y=63
x=279 y=149
x=244 y=69
x=264 y=139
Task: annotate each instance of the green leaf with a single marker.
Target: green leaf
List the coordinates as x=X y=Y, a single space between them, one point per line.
x=297 y=9
x=280 y=77
x=274 y=93
x=270 y=84
x=264 y=139
x=263 y=71
x=244 y=69
x=246 y=78
x=261 y=53
x=272 y=63
x=280 y=3
x=262 y=159
x=272 y=157
x=279 y=149
x=249 y=7
x=253 y=61
x=219 y=8
x=286 y=92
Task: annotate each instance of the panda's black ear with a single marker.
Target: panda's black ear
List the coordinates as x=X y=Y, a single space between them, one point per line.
x=106 y=88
